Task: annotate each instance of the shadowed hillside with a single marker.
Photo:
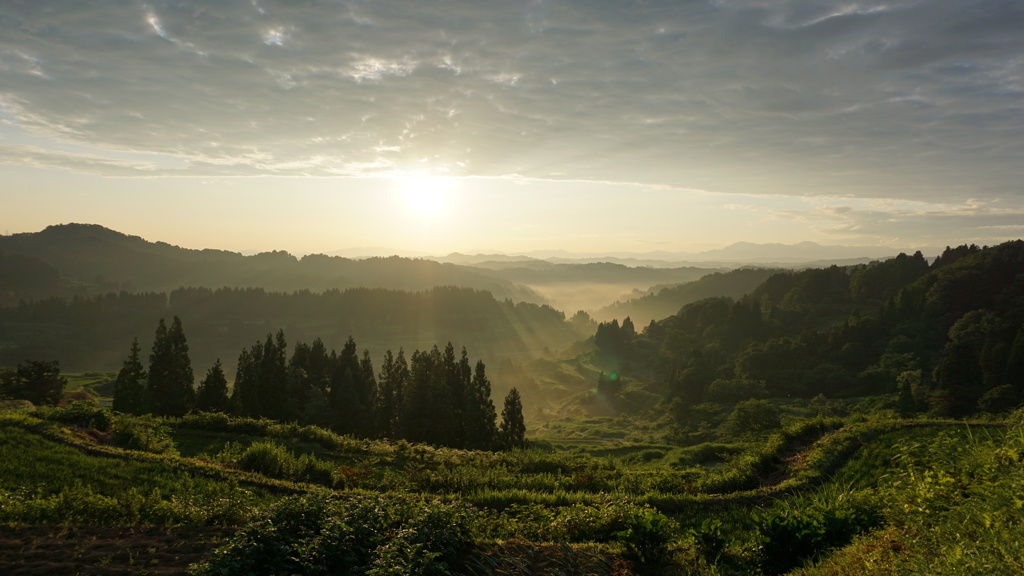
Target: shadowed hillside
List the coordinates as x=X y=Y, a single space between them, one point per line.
x=92 y=259
x=665 y=301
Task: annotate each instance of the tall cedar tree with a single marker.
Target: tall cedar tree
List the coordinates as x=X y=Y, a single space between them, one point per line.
x=315 y=365
x=261 y=379
x=348 y=397
x=394 y=377
x=479 y=415
x=274 y=377
x=513 y=427
x=171 y=379
x=298 y=381
x=130 y=385
x=212 y=395
x=243 y=394
x=367 y=393
x=427 y=403
x=456 y=381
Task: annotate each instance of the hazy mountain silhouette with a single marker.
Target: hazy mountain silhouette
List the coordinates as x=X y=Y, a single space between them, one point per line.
x=736 y=255
x=91 y=259
x=800 y=252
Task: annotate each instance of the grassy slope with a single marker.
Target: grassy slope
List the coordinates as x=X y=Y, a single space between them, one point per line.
x=946 y=499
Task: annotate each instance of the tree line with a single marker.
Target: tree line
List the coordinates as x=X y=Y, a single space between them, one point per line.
x=946 y=336
x=436 y=396
x=89 y=333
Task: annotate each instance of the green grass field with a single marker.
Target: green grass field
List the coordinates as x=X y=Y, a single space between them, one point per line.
x=823 y=496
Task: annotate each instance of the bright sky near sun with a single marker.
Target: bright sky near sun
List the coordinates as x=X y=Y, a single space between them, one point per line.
x=460 y=125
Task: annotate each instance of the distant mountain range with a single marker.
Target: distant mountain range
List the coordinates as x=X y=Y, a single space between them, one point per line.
x=69 y=259
x=88 y=259
x=802 y=254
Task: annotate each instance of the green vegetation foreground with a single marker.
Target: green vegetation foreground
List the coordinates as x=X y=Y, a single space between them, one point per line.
x=822 y=496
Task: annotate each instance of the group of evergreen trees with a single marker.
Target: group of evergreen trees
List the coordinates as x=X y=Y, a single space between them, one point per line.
x=434 y=397
x=166 y=389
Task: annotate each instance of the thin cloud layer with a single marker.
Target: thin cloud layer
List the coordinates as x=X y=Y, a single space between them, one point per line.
x=904 y=99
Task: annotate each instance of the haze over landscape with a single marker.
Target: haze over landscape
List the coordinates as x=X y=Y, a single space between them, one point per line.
x=460 y=126
x=492 y=287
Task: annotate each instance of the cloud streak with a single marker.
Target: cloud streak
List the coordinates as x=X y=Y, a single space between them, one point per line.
x=911 y=99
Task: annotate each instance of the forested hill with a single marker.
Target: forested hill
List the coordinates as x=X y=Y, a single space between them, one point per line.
x=93 y=333
x=90 y=259
x=662 y=302
x=949 y=336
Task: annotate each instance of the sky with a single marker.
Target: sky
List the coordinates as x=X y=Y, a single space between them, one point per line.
x=435 y=126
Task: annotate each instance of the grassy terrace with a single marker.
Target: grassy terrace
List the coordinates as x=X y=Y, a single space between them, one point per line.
x=821 y=496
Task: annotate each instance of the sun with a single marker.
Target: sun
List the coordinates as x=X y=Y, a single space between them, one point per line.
x=426 y=197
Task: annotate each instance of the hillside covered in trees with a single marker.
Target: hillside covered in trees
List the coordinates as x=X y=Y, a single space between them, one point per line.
x=830 y=421
x=664 y=301
x=91 y=333
x=948 y=337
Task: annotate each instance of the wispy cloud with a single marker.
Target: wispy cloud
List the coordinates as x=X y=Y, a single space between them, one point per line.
x=897 y=99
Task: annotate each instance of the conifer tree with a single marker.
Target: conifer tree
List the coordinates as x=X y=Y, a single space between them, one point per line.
x=130 y=385
x=299 y=383
x=479 y=415
x=243 y=395
x=261 y=379
x=318 y=367
x=367 y=393
x=212 y=395
x=384 y=402
x=346 y=398
x=171 y=379
x=456 y=381
x=427 y=414
x=273 y=378
x=513 y=427
x=628 y=330
x=394 y=391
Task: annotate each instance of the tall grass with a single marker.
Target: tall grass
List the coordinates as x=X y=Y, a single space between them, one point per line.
x=44 y=482
x=952 y=501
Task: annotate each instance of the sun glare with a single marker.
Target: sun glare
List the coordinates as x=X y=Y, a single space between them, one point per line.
x=426 y=197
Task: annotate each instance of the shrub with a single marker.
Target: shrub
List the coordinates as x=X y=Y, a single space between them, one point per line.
x=650 y=455
x=752 y=417
x=646 y=537
x=709 y=539
x=377 y=535
x=269 y=459
x=793 y=534
x=724 y=391
x=999 y=399
x=144 y=433
x=309 y=468
x=81 y=414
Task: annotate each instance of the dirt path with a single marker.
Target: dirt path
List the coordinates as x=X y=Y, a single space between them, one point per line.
x=103 y=550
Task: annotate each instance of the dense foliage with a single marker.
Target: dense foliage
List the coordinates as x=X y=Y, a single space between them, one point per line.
x=435 y=398
x=948 y=336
